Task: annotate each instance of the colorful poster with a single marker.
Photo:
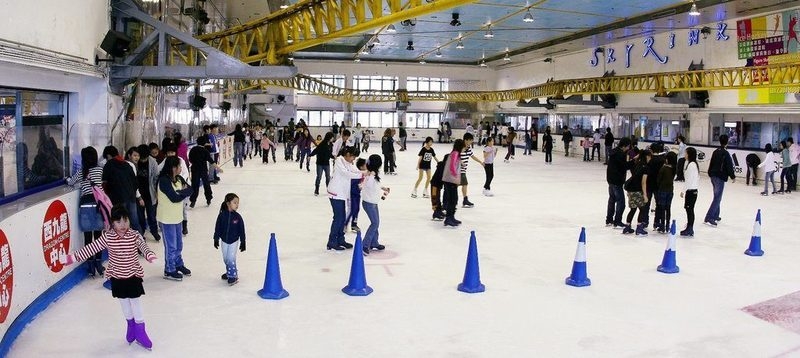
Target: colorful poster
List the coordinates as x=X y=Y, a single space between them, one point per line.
x=6 y=277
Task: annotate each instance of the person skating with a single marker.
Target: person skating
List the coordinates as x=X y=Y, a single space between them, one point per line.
x=230 y=230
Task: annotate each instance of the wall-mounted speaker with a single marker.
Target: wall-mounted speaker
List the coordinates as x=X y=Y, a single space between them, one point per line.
x=197 y=102
x=225 y=106
x=115 y=43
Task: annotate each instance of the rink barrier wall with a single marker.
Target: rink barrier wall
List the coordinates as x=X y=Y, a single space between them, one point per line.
x=37 y=278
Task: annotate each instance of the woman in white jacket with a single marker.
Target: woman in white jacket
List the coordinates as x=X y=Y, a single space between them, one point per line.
x=769 y=170
x=691 y=173
x=338 y=192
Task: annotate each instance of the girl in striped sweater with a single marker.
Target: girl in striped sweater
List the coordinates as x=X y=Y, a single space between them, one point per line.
x=124 y=270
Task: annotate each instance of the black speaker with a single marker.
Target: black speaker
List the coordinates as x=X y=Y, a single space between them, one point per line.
x=115 y=43
x=197 y=102
x=225 y=106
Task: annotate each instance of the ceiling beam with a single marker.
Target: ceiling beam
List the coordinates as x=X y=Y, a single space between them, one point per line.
x=314 y=22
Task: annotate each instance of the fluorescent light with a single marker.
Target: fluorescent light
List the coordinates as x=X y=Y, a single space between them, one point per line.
x=438 y=52
x=460 y=44
x=506 y=58
x=730 y=124
x=693 y=11
x=489 y=34
x=483 y=63
x=422 y=60
x=675 y=123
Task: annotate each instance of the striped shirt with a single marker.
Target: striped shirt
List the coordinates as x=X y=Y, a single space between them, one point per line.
x=465 y=155
x=95 y=175
x=123 y=253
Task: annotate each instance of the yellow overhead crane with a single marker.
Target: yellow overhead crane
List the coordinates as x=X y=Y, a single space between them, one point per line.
x=312 y=22
x=783 y=78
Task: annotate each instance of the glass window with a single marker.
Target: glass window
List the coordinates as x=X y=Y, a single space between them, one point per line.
x=31 y=129
x=333 y=80
x=319 y=118
x=432 y=84
x=751 y=131
x=653 y=127
x=374 y=83
x=423 y=119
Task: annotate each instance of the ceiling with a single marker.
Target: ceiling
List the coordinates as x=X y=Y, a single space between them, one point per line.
x=559 y=26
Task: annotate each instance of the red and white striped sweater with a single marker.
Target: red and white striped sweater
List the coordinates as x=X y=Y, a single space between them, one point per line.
x=123 y=253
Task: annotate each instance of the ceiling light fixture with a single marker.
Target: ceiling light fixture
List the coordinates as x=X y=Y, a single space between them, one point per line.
x=376 y=41
x=438 y=52
x=364 y=51
x=357 y=59
x=483 y=63
x=422 y=60
x=507 y=58
x=284 y=5
x=291 y=57
x=528 y=16
x=410 y=46
x=483 y=60
x=489 y=34
x=289 y=39
x=460 y=44
x=693 y=11
x=455 y=21
x=391 y=29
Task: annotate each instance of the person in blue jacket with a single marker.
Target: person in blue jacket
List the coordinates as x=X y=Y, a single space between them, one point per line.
x=230 y=229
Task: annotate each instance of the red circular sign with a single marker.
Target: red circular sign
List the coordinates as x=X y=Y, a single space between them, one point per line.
x=6 y=277
x=55 y=235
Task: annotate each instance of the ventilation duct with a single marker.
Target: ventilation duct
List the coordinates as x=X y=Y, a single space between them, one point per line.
x=35 y=57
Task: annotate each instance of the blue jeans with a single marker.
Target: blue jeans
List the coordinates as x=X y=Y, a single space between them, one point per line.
x=133 y=212
x=355 y=201
x=305 y=155
x=371 y=237
x=147 y=218
x=322 y=168
x=238 y=153
x=173 y=246
x=212 y=170
x=616 y=204
x=769 y=177
x=336 y=236
x=229 y=258
x=713 y=210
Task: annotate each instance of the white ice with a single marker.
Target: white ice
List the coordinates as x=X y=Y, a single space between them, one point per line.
x=527 y=235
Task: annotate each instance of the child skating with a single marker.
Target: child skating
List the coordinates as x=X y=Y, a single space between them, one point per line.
x=372 y=193
x=426 y=156
x=489 y=152
x=230 y=230
x=124 y=270
x=452 y=179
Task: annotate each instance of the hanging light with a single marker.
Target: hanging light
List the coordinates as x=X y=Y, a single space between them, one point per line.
x=483 y=60
x=693 y=11
x=422 y=60
x=284 y=5
x=357 y=59
x=364 y=51
x=438 y=52
x=507 y=58
x=528 y=16
x=460 y=44
x=289 y=39
x=483 y=63
x=489 y=34
x=391 y=29
x=291 y=57
x=377 y=40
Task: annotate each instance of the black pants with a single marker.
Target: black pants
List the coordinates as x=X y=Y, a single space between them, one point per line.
x=793 y=177
x=388 y=163
x=596 y=146
x=681 y=165
x=511 y=151
x=548 y=155
x=689 y=199
x=197 y=177
x=754 y=171
x=489 y=169
x=257 y=145
x=450 y=200
x=436 y=201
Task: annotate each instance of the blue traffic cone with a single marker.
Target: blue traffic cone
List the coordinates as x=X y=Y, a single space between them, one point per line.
x=668 y=264
x=578 y=277
x=755 y=240
x=357 y=286
x=273 y=288
x=472 y=274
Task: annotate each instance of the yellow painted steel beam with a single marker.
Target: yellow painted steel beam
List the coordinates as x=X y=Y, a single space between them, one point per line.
x=313 y=22
x=780 y=77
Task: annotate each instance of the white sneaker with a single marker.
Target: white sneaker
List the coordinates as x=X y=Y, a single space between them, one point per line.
x=414 y=194
x=425 y=195
x=487 y=192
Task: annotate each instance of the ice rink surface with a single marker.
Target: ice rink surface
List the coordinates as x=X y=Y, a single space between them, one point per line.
x=526 y=234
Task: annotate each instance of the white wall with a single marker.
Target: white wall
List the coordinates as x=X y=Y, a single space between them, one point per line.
x=75 y=28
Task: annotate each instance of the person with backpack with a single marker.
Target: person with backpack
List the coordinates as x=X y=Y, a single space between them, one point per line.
x=91 y=220
x=720 y=168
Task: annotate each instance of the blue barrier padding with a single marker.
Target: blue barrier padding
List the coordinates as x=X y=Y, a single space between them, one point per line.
x=16 y=196
x=40 y=304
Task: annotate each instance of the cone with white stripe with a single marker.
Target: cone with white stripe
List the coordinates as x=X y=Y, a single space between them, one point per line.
x=755 y=240
x=578 y=277
x=668 y=264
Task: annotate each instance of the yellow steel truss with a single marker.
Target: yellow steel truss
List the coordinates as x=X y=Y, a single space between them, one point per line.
x=312 y=22
x=781 y=77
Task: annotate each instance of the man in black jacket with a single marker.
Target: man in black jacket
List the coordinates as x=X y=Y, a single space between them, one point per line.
x=566 y=137
x=609 y=142
x=120 y=184
x=618 y=165
x=719 y=169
